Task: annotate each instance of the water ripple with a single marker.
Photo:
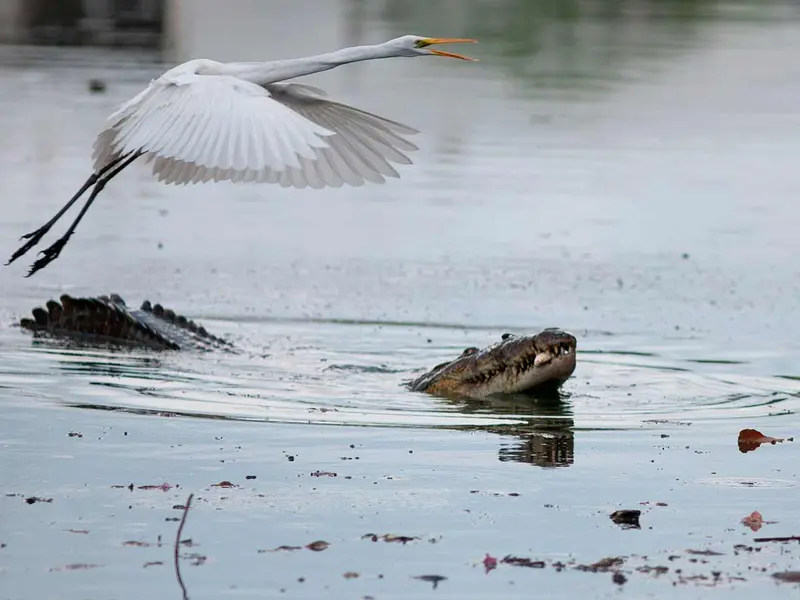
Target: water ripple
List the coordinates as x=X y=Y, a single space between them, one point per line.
x=353 y=374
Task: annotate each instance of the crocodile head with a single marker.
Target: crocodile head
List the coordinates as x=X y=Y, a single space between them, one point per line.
x=517 y=364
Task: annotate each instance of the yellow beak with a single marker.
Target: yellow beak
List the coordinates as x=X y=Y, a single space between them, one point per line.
x=431 y=41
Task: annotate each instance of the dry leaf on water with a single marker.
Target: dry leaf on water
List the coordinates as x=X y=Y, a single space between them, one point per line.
x=489 y=562
x=318 y=546
x=754 y=520
x=751 y=439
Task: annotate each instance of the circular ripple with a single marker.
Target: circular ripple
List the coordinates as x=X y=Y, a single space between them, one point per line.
x=352 y=374
x=747 y=482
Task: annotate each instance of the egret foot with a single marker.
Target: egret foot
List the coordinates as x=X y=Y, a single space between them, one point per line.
x=33 y=238
x=49 y=255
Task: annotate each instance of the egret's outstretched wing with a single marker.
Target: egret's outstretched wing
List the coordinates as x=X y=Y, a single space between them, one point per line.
x=218 y=127
x=195 y=125
x=361 y=150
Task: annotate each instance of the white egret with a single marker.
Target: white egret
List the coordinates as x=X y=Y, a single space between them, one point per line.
x=209 y=121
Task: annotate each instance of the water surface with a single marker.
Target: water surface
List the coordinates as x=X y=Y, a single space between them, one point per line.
x=627 y=176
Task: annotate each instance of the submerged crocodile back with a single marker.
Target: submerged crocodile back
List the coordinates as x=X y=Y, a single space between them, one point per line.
x=178 y=329
x=107 y=319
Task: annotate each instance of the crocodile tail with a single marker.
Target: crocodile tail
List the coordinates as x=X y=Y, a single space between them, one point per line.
x=179 y=320
x=101 y=317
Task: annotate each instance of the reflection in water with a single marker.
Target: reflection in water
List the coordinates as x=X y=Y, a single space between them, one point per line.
x=541 y=423
x=78 y=22
x=542 y=437
x=319 y=382
x=585 y=45
x=542 y=448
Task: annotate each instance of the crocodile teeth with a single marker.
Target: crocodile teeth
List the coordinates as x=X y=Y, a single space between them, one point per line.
x=542 y=359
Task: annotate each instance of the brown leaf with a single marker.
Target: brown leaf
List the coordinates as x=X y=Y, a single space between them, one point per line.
x=224 y=484
x=603 y=565
x=754 y=521
x=788 y=576
x=751 y=439
x=318 y=546
x=350 y=575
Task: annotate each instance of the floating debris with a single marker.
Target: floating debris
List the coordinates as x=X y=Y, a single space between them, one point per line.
x=518 y=561
x=35 y=499
x=434 y=579
x=603 y=565
x=351 y=575
x=789 y=538
x=755 y=521
x=318 y=546
x=751 y=439
x=489 y=562
x=324 y=474
x=705 y=552
x=96 y=86
x=137 y=544
x=626 y=518
x=74 y=567
x=389 y=537
x=282 y=549
x=787 y=576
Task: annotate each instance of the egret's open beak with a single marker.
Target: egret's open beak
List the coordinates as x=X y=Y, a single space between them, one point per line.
x=431 y=41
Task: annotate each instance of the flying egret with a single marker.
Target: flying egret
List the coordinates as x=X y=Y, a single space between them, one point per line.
x=209 y=121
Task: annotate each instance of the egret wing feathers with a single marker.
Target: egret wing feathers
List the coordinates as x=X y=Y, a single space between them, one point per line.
x=198 y=128
x=203 y=127
x=361 y=150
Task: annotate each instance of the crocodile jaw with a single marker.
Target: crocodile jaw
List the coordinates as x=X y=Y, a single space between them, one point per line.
x=516 y=365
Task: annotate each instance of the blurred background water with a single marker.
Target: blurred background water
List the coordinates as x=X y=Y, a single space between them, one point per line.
x=621 y=169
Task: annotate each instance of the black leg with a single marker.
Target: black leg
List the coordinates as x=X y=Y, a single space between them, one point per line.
x=34 y=236
x=51 y=253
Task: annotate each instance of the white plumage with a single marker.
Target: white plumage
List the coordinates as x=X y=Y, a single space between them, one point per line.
x=209 y=121
x=198 y=128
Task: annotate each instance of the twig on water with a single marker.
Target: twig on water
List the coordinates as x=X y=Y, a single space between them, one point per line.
x=178 y=544
x=790 y=538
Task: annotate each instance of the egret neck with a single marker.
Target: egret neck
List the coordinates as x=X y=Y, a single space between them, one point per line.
x=281 y=70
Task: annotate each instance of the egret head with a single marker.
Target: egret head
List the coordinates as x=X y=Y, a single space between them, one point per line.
x=417 y=45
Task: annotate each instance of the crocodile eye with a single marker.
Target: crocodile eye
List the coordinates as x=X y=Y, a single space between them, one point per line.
x=468 y=351
x=505 y=336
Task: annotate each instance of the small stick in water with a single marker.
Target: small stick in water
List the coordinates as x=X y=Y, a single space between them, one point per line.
x=177 y=546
